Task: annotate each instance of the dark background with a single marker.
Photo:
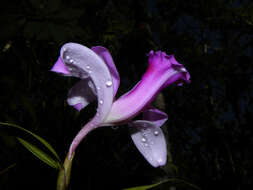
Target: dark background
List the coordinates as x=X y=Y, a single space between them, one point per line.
x=209 y=120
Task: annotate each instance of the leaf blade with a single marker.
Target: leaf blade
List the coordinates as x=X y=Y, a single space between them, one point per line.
x=40 y=154
x=43 y=141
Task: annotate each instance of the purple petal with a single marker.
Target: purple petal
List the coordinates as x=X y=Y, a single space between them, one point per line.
x=150 y=141
x=81 y=94
x=157 y=117
x=162 y=71
x=182 y=76
x=59 y=67
x=78 y=106
x=84 y=63
x=107 y=58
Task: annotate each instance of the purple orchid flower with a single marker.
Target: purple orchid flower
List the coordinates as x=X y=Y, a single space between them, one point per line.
x=100 y=80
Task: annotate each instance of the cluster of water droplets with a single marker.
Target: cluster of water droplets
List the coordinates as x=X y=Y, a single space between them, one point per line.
x=148 y=136
x=68 y=60
x=89 y=69
x=145 y=134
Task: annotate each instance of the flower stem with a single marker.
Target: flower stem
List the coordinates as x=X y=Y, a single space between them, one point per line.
x=64 y=173
x=79 y=137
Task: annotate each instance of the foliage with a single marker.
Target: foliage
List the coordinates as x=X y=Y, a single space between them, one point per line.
x=208 y=129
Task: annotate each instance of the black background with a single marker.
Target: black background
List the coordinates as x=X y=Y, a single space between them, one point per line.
x=208 y=130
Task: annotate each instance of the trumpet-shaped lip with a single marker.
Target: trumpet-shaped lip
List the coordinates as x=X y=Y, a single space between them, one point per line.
x=163 y=70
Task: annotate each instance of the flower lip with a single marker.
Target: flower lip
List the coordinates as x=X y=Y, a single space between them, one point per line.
x=160 y=60
x=163 y=70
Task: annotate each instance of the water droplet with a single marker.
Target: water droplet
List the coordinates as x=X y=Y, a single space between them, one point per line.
x=146 y=144
x=67 y=57
x=143 y=139
x=90 y=72
x=98 y=88
x=71 y=61
x=156 y=133
x=101 y=102
x=90 y=84
x=87 y=67
x=183 y=69
x=108 y=83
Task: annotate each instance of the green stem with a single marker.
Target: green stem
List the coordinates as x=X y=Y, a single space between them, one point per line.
x=64 y=174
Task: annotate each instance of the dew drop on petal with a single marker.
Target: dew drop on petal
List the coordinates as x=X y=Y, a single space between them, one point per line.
x=108 y=83
x=98 y=88
x=156 y=133
x=67 y=57
x=87 y=67
x=90 y=72
x=90 y=84
x=143 y=139
x=71 y=61
x=146 y=144
x=101 y=101
x=183 y=69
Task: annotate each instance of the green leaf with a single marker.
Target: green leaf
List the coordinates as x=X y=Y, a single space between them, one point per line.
x=40 y=154
x=141 y=187
x=172 y=182
x=43 y=141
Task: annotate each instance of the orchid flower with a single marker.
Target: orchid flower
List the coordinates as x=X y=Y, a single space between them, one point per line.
x=100 y=81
